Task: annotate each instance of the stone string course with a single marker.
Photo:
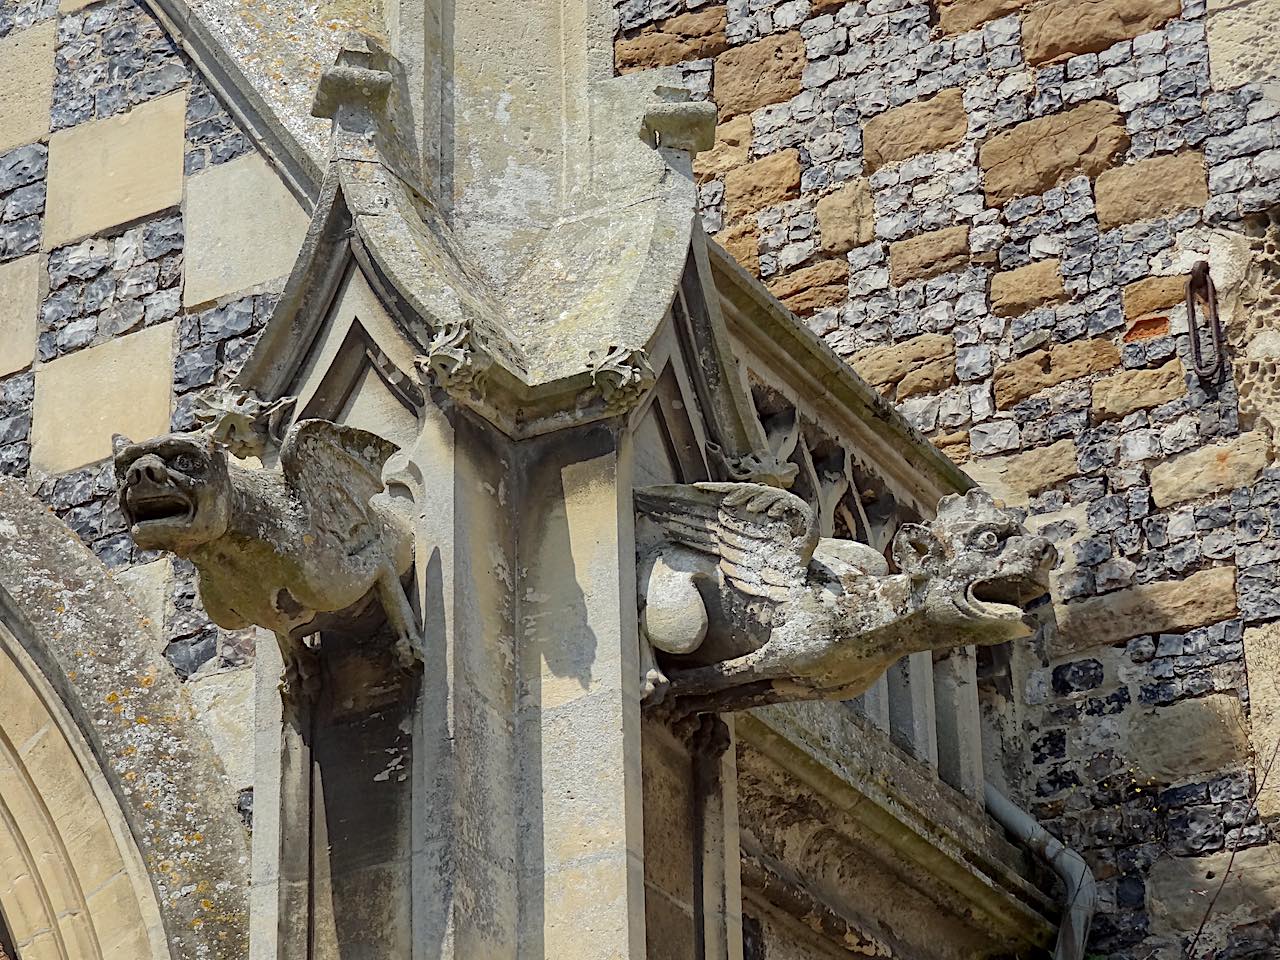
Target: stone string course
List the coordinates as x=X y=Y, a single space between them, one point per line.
x=990 y=208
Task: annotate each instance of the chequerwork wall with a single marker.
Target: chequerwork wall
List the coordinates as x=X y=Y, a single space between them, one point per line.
x=991 y=209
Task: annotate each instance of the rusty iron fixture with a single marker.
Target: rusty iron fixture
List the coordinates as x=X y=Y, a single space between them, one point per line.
x=1200 y=288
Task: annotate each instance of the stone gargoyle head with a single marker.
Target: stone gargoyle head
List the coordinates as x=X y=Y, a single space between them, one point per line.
x=978 y=565
x=175 y=490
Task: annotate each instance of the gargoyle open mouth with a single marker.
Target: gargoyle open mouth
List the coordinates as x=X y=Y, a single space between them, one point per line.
x=169 y=507
x=1004 y=597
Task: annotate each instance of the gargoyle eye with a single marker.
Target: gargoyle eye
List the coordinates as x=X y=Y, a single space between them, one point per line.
x=185 y=463
x=986 y=540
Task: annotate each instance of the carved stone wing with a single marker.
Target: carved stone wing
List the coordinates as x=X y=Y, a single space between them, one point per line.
x=336 y=471
x=763 y=537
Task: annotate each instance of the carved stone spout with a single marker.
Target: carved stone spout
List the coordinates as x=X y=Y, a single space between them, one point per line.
x=746 y=605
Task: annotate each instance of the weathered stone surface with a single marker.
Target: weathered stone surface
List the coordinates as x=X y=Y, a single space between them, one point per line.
x=111 y=171
x=1220 y=466
x=955 y=445
x=26 y=84
x=1037 y=154
x=1179 y=889
x=1017 y=291
x=20 y=296
x=761 y=183
x=1133 y=390
x=1198 y=736
x=79 y=401
x=918 y=127
x=689 y=36
x=1151 y=188
x=959 y=16
x=1153 y=294
x=1262 y=661
x=846 y=217
x=1041 y=369
x=243 y=226
x=1166 y=606
x=811 y=288
x=1061 y=28
x=929 y=254
x=742 y=241
x=924 y=364
x=759 y=73
x=733 y=139
x=224 y=703
x=1019 y=476
x=1244 y=46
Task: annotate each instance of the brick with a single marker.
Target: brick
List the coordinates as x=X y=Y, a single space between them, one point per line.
x=1042 y=369
x=759 y=73
x=689 y=36
x=914 y=128
x=1151 y=188
x=761 y=183
x=1062 y=28
x=929 y=254
x=1016 y=291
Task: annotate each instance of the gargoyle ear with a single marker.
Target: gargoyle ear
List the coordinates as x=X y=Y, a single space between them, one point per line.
x=916 y=551
x=118 y=442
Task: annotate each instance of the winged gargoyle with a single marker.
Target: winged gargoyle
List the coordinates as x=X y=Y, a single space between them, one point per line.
x=748 y=606
x=294 y=550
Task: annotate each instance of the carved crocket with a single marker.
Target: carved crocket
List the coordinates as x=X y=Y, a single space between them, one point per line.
x=749 y=606
x=293 y=550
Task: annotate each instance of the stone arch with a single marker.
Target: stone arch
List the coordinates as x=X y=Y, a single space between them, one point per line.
x=72 y=883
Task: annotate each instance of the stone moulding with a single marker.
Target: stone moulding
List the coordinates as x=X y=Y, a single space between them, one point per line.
x=455 y=361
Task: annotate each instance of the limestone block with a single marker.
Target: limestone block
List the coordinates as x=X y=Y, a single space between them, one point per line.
x=1244 y=46
x=111 y=171
x=929 y=254
x=1133 y=390
x=1019 y=476
x=919 y=127
x=243 y=229
x=733 y=139
x=742 y=241
x=811 y=288
x=923 y=364
x=224 y=704
x=1210 y=469
x=846 y=217
x=1151 y=188
x=689 y=36
x=1166 y=606
x=20 y=295
x=121 y=386
x=1036 y=154
x=1262 y=661
x=761 y=183
x=759 y=73
x=1180 y=888
x=1062 y=28
x=1204 y=735
x=1145 y=297
x=148 y=587
x=1042 y=369
x=1017 y=291
x=26 y=84
x=958 y=16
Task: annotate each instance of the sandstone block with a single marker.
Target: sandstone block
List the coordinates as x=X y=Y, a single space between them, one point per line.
x=959 y=16
x=742 y=241
x=1036 y=154
x=955 y=445
x=1210 y=469
x=846 y=217
x=1151 y=188
x=913 y=128
x=1017 y=291
x=733 y=140
x=1132 y=390
x=1204 y=735
x=811 y=288
x=111 y=171
x=1153 y=294
x=923 y=364
x=243 y=226
x=80 y=401
x=20 y=295
x=761 y=183
x=1262 y=660
x=1244 y=45
x=689 y=36
x=759 y=73
x=1167 y=606
x=929 y=254
x=1019 y=476
x=1042 y=369
x=1180 y=888
x=26 y=84
x=1063 y=28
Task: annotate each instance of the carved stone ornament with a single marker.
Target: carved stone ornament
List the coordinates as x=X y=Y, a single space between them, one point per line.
x=294 y=550
x=245 y=424
x=454 y=361
x=768 y=469
x=746 y=605
x=622 y=376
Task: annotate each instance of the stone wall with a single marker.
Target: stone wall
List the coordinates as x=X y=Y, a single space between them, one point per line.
x=143 y=244
x=990 y=208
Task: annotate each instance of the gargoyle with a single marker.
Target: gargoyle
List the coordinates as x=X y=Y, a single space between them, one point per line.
x=294 y=550
x=749 y=606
